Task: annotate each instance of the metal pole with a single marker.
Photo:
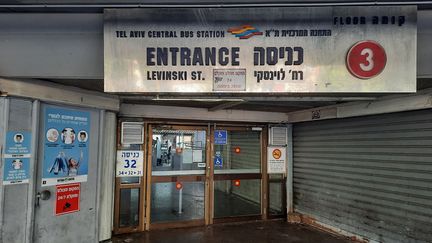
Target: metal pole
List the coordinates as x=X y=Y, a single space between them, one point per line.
x=180 y=205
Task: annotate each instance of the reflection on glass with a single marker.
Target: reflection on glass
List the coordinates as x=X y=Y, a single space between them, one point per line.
x=178 y=150
x=129 y=207
x=275 y=198
x=130 y=180
x=241 y=154
x=237 y=199
x=171 y=204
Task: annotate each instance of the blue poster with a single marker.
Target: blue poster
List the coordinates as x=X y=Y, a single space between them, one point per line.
x=67 y=138
x=17 y=157
x=18 y=142
x=220 y=137
x=16 y=170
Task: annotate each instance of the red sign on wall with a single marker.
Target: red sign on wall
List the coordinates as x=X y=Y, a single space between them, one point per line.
x=366 y=59
x=67 y=198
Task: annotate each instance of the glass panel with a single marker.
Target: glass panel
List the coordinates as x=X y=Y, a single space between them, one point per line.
x=129 y=207
x=171 y=204
x=130 y=180
x=241 y=154
x=237 y=198
x=178 y=152
x=275 y=198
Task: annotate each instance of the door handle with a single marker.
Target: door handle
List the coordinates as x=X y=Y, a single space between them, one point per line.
x=44 y=195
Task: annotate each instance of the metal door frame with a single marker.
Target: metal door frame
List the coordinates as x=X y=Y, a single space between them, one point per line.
x=141 y=186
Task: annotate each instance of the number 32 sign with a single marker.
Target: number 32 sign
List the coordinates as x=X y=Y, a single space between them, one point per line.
x=366 y=59
x=129 y=163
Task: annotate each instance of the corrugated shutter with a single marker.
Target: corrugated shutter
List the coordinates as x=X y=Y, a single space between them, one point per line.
x=371 y=176
x=250 y=146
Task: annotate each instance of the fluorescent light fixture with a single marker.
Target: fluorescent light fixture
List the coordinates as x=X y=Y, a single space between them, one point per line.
x=256 y=128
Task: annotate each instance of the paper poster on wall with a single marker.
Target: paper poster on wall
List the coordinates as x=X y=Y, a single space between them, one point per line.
x=67 y=198
x=17 y=157
x=276 y=160
x=67 y=138
x=130 y=163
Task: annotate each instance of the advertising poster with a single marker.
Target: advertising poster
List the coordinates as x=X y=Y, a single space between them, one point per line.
x=130 y=163
x=17 y=157
x=67 y=137
x=276 y=160
x=67 y=198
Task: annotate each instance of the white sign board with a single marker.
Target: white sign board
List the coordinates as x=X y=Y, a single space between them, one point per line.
x=229 y=79
x=261 y=50
x=276 y=160
x=130 y=163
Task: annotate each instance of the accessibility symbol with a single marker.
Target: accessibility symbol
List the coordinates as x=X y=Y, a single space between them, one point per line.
x=218 y=161
x=220 y=137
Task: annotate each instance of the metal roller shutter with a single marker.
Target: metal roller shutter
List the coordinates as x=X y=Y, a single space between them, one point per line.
x=371 y=176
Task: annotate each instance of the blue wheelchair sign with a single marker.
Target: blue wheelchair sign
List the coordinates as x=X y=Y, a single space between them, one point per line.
x=218 y=162
x=220 y=137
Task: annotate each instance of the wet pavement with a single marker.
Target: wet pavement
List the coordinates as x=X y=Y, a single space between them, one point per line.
x=254 y=232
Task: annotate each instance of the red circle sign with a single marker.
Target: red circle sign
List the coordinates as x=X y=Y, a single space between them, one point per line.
x=366 y=59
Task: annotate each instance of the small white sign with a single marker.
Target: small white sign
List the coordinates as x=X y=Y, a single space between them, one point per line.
x=276 y=160
x=197 y=155
x=201 y=165
x=130 y=163
x=187 y=156
x=229 y=79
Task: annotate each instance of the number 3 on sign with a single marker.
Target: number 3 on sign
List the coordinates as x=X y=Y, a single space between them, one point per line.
x=369 y=60
x=366 y=59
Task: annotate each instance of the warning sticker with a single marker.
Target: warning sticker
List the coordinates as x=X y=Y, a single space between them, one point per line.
x=67 y=198
x=276 y=160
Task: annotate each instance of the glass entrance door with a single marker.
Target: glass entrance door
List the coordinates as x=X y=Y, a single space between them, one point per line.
x=237 y=187
x=177 y=185
x=191 y=178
